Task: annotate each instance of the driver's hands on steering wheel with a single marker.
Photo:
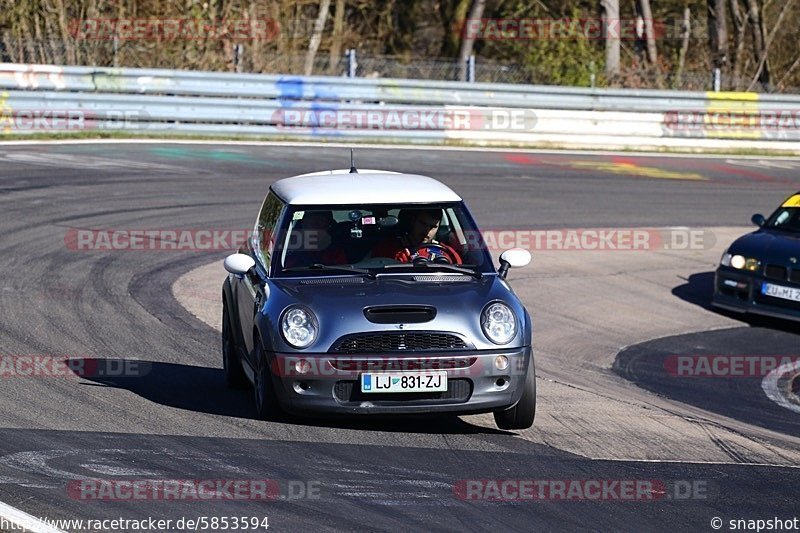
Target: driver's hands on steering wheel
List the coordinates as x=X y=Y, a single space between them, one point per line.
x=430 y=251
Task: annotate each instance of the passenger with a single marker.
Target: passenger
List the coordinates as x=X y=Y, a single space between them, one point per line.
x=315 y=244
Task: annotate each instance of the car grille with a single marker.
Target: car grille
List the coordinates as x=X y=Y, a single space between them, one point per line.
x=392 y=342
x=781 y=273
x=775 y=272
x=458 y=391
x=412 y=363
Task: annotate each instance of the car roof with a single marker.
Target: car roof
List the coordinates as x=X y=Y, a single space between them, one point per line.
x=365 y=187
x=793 y=200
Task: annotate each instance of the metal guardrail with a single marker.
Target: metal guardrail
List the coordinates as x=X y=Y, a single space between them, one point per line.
x=175 y=101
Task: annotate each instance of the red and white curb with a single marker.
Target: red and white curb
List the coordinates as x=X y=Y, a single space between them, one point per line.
x=777 y=385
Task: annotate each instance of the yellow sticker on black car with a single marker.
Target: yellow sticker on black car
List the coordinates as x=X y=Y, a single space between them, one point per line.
x=793 y=201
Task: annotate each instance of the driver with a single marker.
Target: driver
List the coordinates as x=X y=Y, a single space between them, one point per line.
x=411 y=245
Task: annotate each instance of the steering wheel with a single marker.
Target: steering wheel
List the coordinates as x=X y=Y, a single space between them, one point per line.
x=445 y=253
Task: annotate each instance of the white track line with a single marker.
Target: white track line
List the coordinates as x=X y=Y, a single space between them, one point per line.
x=23 y=519
x=770 y=385
x=700 y=463
x=355 y=145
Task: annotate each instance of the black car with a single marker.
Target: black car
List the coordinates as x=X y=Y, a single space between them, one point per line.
x=760 y=272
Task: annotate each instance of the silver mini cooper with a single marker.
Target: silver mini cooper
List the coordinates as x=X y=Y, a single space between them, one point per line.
x=373 y=293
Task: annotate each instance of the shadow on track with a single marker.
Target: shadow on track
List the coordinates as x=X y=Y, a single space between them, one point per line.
x=202 y=389
x=646 y=364
x=739 y=395
x=732 y=387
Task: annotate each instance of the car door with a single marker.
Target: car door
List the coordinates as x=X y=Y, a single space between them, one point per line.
x=250 y=292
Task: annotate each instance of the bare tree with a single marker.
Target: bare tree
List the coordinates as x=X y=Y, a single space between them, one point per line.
x=757 y=30
x=650 y=37
x=316 y=37
x=453 y=14
x=338 y=28
x=718 y=32
x=468 y=39
x=775 y=27
x=611 y=34
x=685 y=32
x=740 y=24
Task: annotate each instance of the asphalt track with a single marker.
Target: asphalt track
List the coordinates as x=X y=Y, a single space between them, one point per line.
x=179 y=422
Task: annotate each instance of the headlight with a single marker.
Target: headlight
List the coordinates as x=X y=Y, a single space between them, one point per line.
x=299 y=326
x=726 y=259
x=741 y=262
x=499 y=323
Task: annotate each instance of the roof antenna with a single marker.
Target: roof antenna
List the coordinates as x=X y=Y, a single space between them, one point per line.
x=353 y=169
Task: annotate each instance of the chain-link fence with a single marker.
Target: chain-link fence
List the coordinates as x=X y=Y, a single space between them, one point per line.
x=217 y=55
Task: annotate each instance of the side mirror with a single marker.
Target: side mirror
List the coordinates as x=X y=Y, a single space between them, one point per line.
x=239 y=264
x=513 y=258
x=758 y=219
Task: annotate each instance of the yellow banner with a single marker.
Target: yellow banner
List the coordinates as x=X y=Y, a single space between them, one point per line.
x=732 y=115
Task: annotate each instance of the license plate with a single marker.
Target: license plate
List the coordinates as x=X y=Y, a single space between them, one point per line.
x=404 y=382
x=779 y=291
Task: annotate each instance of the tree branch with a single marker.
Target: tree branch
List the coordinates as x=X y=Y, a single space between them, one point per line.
x=788 y=73
x=767 y=45
x=316 y=37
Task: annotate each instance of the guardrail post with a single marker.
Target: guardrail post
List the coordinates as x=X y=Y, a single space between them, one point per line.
x=237 y=57
x=471 y=69
x=116 y=49
x=352 y=64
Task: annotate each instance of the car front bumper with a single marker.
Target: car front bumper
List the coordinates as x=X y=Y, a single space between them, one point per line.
x=741 y=293
x=332 y=383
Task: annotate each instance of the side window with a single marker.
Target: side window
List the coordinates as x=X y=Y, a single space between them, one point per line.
x=264 y=232
x=783 y=217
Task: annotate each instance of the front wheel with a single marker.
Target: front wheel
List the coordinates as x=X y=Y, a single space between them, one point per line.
x=267 y=406
x=521 y=415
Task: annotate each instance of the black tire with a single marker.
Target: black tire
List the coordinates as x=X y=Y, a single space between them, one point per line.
x=235 y=377
x=267 y=406
x=521 y=415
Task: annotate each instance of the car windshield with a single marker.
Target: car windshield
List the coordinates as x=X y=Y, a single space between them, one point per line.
x=785 y=219
x=380 y=239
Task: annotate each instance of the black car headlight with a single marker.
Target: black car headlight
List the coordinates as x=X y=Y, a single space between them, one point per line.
x=740 y=262
x=499 y=323
x=299 y=326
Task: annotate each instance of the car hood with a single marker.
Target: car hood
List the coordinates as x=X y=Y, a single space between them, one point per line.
x=339 y=304
x=770 y=246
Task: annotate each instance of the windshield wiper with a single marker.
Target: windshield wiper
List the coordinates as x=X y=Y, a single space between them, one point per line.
x=333 y=268
x=446 y=266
